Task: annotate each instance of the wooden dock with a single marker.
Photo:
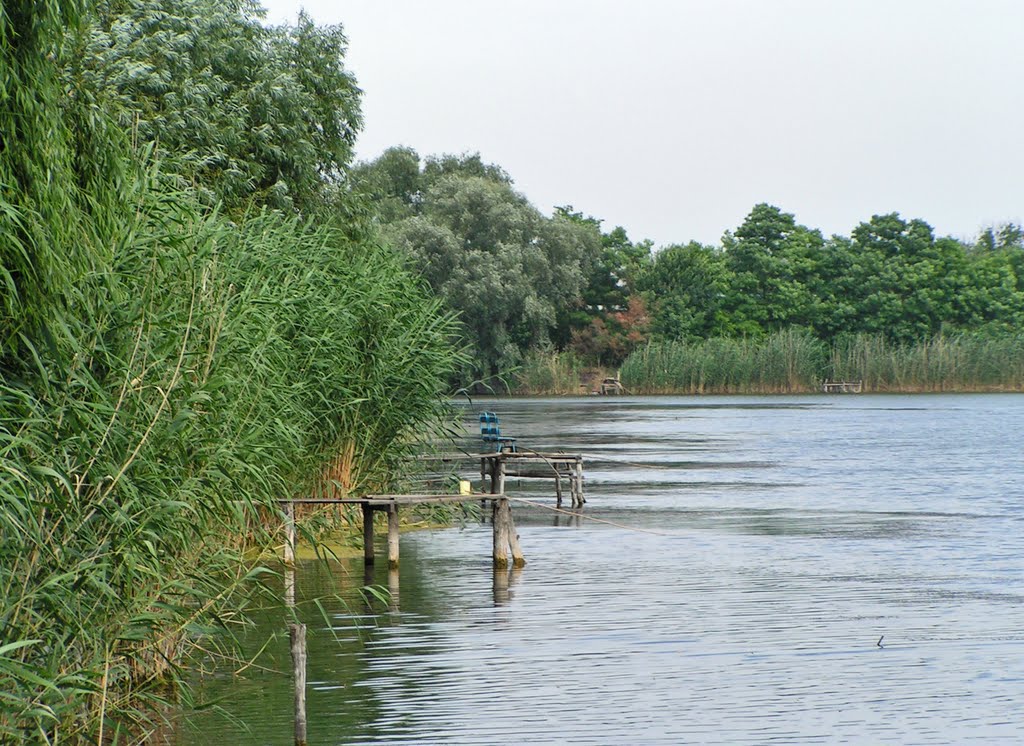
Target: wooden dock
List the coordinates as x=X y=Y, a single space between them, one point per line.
x=495 y=468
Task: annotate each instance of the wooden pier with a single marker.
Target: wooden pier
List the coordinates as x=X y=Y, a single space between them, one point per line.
x=506 y=552
x=505 y=538
x=499 y=466
x=495 y=469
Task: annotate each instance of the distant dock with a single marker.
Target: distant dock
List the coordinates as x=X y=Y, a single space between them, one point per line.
x=842 y=387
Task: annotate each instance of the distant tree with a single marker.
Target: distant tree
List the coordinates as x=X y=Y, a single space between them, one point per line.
x=686 y=286
x=610 y=337
x=510 y=272
x=393 y=183
x=773 y=262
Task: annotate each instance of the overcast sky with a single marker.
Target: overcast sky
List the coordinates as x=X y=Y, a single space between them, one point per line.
x=673 y=118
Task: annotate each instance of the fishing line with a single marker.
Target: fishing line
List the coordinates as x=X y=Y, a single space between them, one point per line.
x=587 y=517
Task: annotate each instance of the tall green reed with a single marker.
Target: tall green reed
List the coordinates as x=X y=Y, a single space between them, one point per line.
x=793 y=361
x=784 y=362
x=165 y=376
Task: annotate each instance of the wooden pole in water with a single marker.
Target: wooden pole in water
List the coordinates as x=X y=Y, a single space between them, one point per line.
x=367 y=534
x=297 y=636
x=518 y=560
x=393 y=537
x=500 y=534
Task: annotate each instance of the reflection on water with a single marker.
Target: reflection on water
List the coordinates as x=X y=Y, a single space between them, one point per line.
x=754 y=552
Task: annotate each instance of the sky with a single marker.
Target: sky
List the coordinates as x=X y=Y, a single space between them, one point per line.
x=673 y=118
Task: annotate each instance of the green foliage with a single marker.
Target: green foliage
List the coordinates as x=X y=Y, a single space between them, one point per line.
x=891 y=278
x=241 y=111
x=508 y=271
x=686 y=286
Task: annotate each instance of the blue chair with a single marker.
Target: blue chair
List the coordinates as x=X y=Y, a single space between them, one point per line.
x=490 y=431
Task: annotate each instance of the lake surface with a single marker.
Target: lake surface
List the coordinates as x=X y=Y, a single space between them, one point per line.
x=737 y=562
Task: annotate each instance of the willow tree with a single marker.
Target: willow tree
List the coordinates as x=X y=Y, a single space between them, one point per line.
x=244 y=112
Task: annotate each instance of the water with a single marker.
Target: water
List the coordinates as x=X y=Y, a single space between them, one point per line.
x=753 y=551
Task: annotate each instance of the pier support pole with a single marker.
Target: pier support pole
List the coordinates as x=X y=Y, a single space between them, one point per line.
x=393 y=537
x=500 y=533
x=289 y=553
x=393 y=591
x=297 y=637
x=367 y=534
x=500 y=467
x=577 y=484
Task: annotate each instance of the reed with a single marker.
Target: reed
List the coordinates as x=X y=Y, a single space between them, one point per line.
x=958 y=362
x=165 y=375
x=547 y=372
x=795 y=362
x=786 y=362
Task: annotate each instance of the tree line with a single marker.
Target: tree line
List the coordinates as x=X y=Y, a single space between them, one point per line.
x=522 y=281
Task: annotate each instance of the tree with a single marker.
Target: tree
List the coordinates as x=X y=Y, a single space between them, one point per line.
x=510 y=272
x=241 y=111
x=686 y=285
x=772 y=260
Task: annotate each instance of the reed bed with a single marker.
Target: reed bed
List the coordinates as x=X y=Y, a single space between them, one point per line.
x=956 y=363
x=795 y=362
x=166 y=374
x=787 y=362
x=549 y=372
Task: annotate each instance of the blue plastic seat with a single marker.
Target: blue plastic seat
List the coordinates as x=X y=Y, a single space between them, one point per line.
x=490 y=431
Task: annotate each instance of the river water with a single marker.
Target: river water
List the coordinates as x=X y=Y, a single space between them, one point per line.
x=746 y=570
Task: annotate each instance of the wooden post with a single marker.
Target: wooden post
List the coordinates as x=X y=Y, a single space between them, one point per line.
x=367 y=534
x=578 y=498
x=297 y=636
x=393 y=536
x=518 y=560
x=500 y=467
x=499 y=529
x=289 y=532
x=558 y=487
x=289 y=553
